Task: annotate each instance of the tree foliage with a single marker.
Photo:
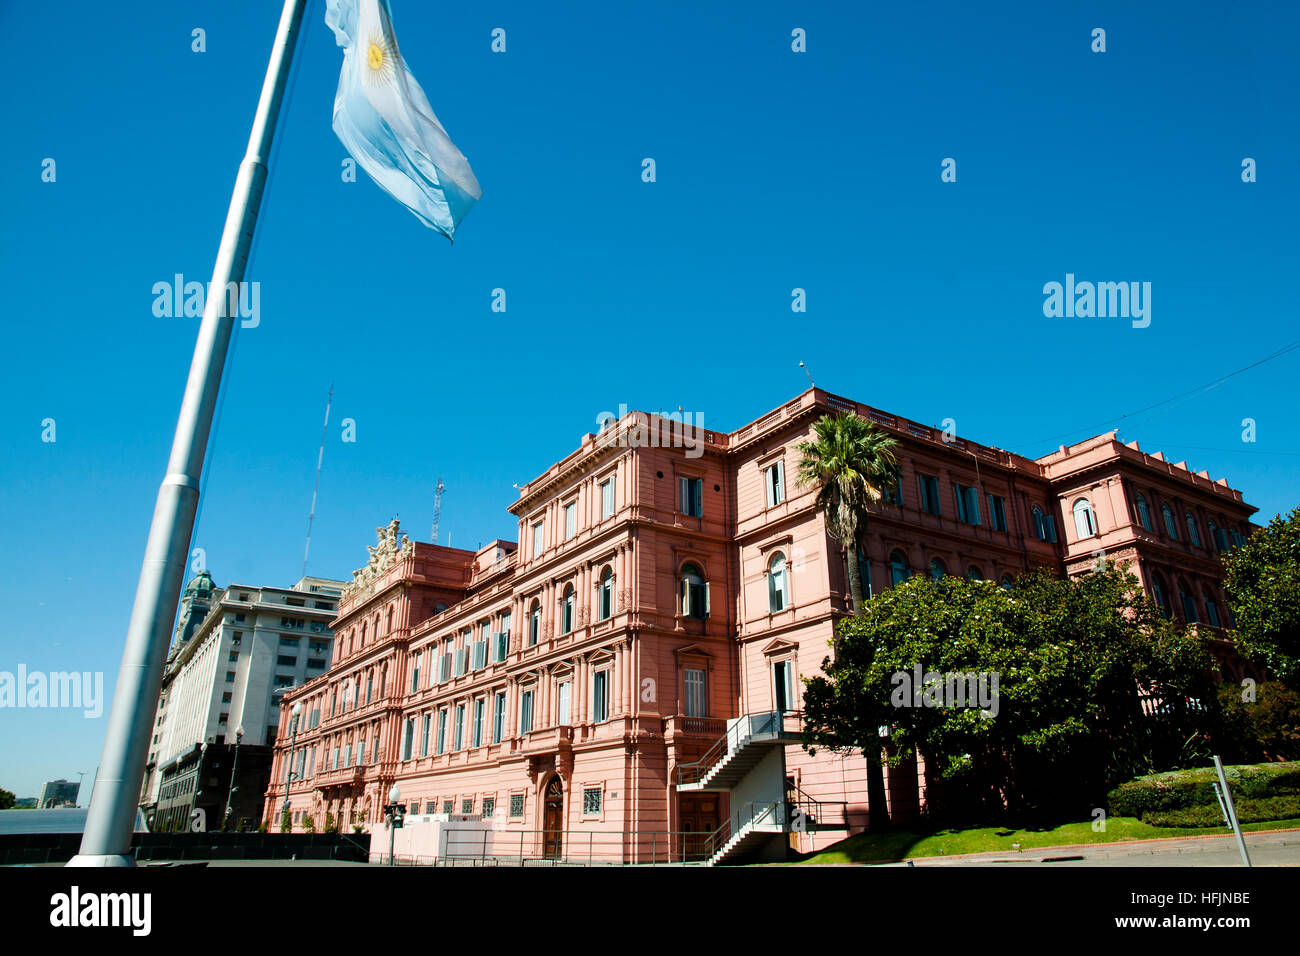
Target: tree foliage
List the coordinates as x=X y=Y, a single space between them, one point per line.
x=7 y=800
x=1071 y=658
x=1263 y=585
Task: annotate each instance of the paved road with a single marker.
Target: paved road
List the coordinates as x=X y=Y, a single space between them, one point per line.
x=1265 y=849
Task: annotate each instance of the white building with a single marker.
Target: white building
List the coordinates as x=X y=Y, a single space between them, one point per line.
x=227 y=672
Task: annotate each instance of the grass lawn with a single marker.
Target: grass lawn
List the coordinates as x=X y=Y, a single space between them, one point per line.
x=899 y=844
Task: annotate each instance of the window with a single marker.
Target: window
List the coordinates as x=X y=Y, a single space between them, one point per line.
x=1144 y=513
x=444 y=668
x=370 y=684
x=293 y=622
x=318 y=663
x=778 y=584
x=458 y=662
x=525 y=712
x=230 y=677
x=774 y=482
x=234 y=656
x=591 y=800
x=1085 y=522
x=286 y=660
x=694 y=593
x=1188 y=602
x=441 y=743
x=534 y=624
x=566 y=610
x=1161 y=596
x=606 y=594
x=424 y=735
x=1193 y=532
x=225 y=699
x=477 y=736
x=607 y=498
x=968 y=504
x=937 y=569
x=1217 y=537
x=570 y=520
x=1044 y=525
x=997 y=513
x=408 y=736
x=467 y=805
x=375 y=758
x=448 y=806
x=563 y=697
x=1006 y=582
x=498 y=717
x=287 y=641
x=892 y=485
x=222 y=718
x=783 y=685
x=489 y=807
x=537 y=539
x=1212 y=610
x=898 y=569
x=516 y=805
x=695 y=700
x=415 y=673
x=690 y=496
x=930 y=494
x=973 y=573
x=458 y=732
x=237 y=638
x=600 y=696
x=864 y=573
x=1171 y=526
x=500 y=646
x=479 y=655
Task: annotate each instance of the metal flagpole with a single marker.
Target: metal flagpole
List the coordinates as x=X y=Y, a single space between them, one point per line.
x=111 y=818
x=320 y=460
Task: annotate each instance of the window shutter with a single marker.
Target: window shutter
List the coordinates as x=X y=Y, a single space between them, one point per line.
x=683 y=495
x=780 y=482
x=706 y=598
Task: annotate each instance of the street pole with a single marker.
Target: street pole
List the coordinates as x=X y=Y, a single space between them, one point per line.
x=1231 y=811
x=234 y=768
x=111 y=818
x=288 y=767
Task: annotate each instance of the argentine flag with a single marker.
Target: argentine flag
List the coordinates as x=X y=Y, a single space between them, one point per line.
x=384 y=120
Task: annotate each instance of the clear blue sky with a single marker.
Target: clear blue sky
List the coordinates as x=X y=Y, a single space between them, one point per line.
x=776 y=170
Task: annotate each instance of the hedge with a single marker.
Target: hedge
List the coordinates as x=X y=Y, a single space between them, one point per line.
x=1185 y=789
x=1285 y=807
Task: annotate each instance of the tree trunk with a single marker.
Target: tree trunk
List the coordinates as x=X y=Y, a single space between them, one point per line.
x=855 y=580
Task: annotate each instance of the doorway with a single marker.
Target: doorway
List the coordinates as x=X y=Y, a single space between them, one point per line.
x=553 y=820
x=698 y=816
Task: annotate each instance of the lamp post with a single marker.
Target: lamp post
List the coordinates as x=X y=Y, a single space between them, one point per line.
x=288 y=767
x=394 y=820
x=234 y=768
x=198 y=784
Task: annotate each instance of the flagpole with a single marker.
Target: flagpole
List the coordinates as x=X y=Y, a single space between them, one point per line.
x=111 y=818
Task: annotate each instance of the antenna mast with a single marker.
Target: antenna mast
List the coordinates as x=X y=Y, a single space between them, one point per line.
x=437 y=508
x=320 y=459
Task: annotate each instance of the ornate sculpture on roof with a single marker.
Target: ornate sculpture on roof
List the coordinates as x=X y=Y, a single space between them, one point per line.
x=385 y=553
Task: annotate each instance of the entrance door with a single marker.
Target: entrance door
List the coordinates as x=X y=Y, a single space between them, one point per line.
x=699 y=818
x=553 y=820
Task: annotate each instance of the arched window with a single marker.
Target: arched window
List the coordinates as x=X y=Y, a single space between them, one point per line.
x=1193 y=532
x=1171 y=526
x=566 y=610
x=439 y=607
x=1188 y=602
x=534 y=624
x=694 y=593
x=898 y=567
x=1212 y=610
x=1161 y=595
x=607 y=594
x=390 y=621
x=937 y=569
x=778 y=584
x=1044 y=525
x=1144 y=513
x=1214 y=536
x=362 y=638
x=1006 y=582
x=1085 y=522
x=974 y=573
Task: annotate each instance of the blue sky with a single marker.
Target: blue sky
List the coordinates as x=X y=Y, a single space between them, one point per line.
x=775 y=170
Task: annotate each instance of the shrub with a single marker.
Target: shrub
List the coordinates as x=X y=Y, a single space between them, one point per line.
x=1184 y=789
x=1284 y=807
x=309 y=823
x=331 y=825
x=286 y=822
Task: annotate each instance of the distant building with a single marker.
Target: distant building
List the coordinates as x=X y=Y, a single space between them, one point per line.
x=25 y=803
x=236 y=650
x=59 y=793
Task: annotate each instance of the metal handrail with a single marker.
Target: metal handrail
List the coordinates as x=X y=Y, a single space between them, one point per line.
x=747 y=727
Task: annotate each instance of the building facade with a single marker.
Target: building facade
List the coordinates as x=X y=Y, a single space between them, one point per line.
x=59 y=793
x=225 y=674
x=611 y=676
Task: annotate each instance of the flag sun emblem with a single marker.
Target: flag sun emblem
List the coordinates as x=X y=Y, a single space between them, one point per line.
x=380 y=56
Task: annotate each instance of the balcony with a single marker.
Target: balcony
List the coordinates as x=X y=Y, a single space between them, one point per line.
x=744 y=745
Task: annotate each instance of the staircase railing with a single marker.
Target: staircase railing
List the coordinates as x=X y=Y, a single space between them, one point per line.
x=751 y=725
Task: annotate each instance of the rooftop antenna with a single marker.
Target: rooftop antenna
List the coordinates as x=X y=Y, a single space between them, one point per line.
x=320 y=459
x=437 y=508
x=808 y=373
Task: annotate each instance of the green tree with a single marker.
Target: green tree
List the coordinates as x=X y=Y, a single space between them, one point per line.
x=286 y=822
x=7 y=800
x=1263 y=585
x=851 y=463
x=309 y=823
x=1071 y=658
x=331 y=825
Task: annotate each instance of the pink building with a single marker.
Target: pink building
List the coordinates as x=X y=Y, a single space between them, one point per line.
x=623 y=683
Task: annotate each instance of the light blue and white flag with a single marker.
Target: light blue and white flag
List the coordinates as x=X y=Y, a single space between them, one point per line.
x=386 y=124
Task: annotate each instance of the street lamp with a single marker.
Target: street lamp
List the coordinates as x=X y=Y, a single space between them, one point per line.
x=288 y=767
x=198 y=782
x=395 y=812
x=234 y=768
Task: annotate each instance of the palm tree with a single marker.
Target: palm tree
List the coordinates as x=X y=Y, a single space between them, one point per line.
x=852 y=463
